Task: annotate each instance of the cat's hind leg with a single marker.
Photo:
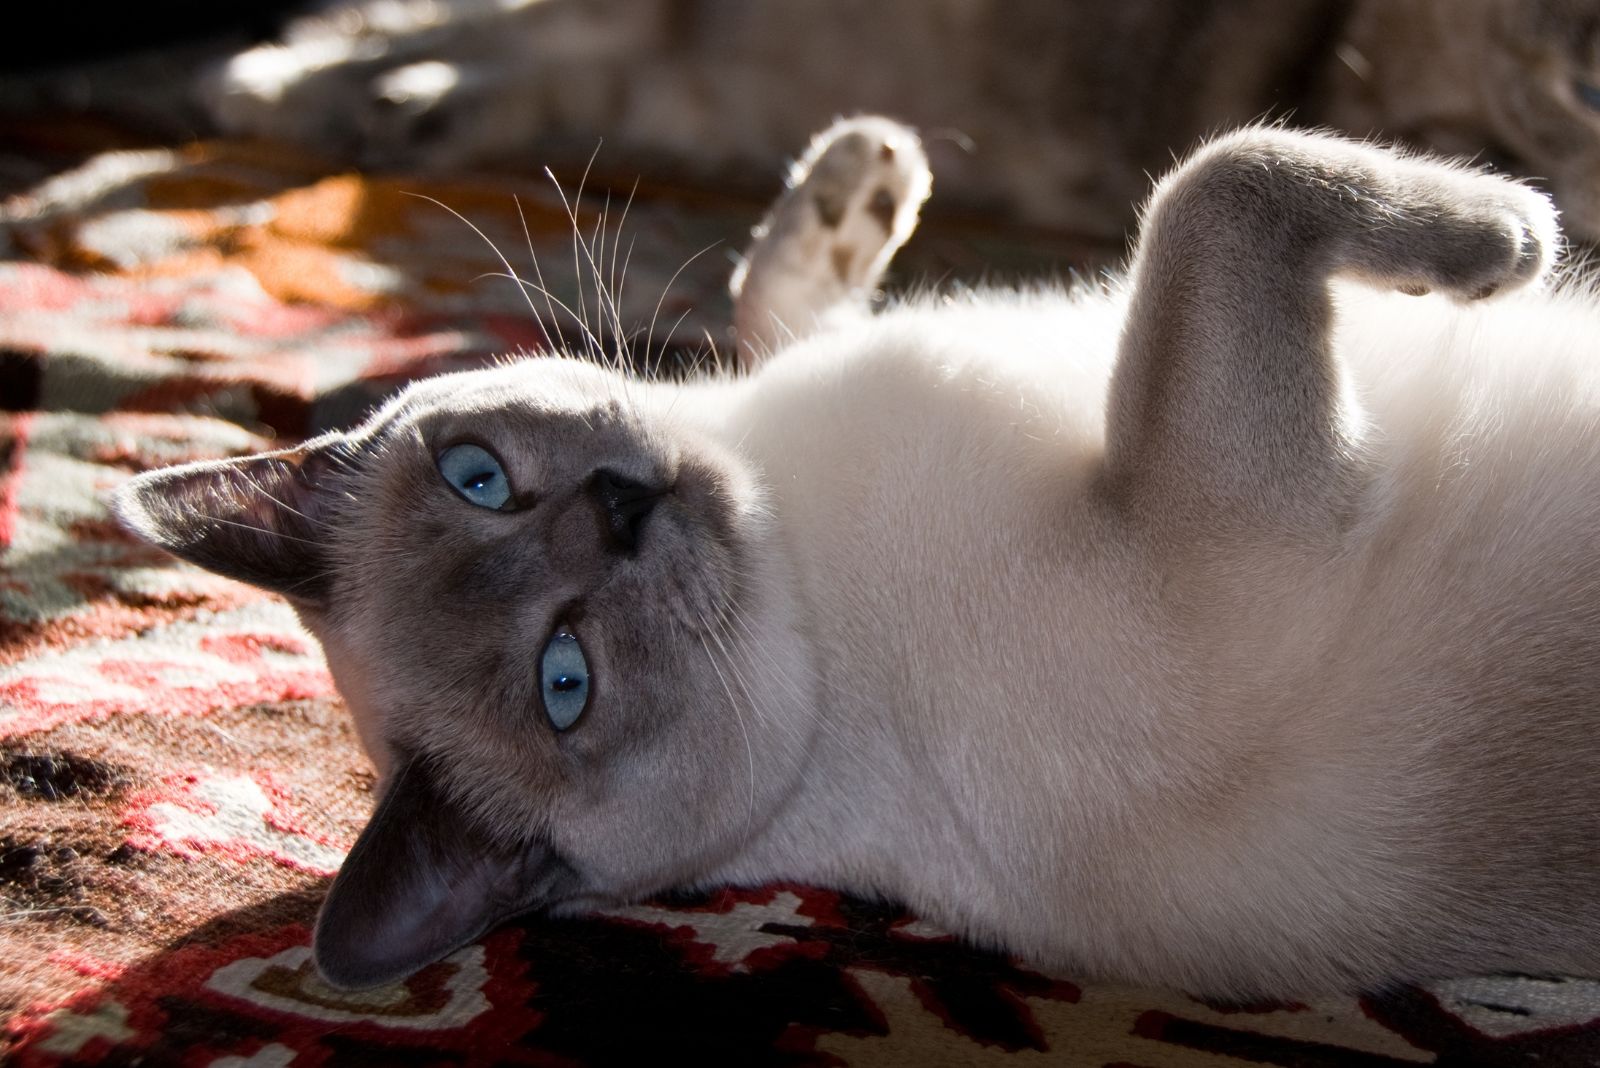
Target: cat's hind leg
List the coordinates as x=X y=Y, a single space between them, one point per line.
x=852 y=201
x=1225 y=407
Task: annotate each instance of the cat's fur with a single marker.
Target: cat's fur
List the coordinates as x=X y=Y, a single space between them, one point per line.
x=1055 y=110
x=1221 y=629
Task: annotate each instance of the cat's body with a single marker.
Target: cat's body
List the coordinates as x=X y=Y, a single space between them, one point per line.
x=1237 y=764
x=1057 y=112
x=1137 y=631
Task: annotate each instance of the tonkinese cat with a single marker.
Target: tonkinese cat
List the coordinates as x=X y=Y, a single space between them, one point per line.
x=1235 y=626
x=1057 y=111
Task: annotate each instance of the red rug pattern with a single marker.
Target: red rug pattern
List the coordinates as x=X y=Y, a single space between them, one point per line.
x=178 y=778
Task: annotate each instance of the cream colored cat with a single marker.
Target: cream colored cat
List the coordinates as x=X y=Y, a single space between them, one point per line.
x=1057 y=111
x=1235 y=628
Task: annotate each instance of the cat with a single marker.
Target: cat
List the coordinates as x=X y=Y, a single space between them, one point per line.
x=1234 y=627
x=1054 y=112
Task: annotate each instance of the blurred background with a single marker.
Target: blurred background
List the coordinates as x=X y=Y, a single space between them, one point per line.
x=398 y=158
x=119 y=169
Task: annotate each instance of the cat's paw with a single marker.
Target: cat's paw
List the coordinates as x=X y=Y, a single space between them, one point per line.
x=1311 y=204
x=1230 y=286
x=1486 y=235
x=861 y=184
x=852 y=201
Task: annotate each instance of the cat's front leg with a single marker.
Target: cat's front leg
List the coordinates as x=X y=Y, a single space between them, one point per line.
x=852 y=201
x=1225 y=404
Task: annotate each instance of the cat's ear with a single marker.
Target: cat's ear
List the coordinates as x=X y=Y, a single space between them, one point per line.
x=421 y=881
x=260 y=519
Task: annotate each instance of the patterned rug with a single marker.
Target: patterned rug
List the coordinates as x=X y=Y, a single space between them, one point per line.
x=178 y=778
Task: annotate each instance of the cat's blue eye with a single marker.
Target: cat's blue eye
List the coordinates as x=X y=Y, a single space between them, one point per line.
x=473 y=472
x=1588 y=92
x=563 y=679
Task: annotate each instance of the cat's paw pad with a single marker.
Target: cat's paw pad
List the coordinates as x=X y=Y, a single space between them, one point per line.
x=861 y=183
x=852 y=200
x=1487 y=236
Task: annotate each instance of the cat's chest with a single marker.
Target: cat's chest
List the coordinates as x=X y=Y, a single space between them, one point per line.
x=927 y=512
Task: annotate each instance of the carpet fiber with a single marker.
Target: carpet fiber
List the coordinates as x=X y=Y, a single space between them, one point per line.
x=178 y=778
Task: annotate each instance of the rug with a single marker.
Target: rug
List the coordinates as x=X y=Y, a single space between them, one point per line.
x=178 y=778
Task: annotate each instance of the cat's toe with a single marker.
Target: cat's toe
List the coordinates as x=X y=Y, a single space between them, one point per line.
x=1501 y=239
x=863 y=180
x=853 y=200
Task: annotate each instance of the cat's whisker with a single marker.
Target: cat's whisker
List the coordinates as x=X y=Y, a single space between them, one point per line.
x=782 y=326
x=590 y=340
x=577 y=263
x=305 y=583
x=587 y=250
x=597 y=240
x=650 y=333
x=677 y=323
x=721 y=633
x=728 y=617
x=779 y=722
x=622 y=281
x=616 y=281
x=607 y=284
x=527 y=236
x=510 y=270
x=595 y=248
x=578 y=245
x=672 y=403
x=677 y=394
x=597 y=350
x=587 y=247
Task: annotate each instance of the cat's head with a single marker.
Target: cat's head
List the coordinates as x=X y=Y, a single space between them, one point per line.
x=551 y=604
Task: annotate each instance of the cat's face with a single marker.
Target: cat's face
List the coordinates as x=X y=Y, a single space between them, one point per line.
x=539 y=594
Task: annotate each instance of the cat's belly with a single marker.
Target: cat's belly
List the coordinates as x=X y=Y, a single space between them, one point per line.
x=1160 y=760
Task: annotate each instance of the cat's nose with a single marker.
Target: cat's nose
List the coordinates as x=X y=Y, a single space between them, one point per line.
x=625 y=503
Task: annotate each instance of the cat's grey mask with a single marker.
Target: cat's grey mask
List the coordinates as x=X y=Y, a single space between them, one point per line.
x=516 y=577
